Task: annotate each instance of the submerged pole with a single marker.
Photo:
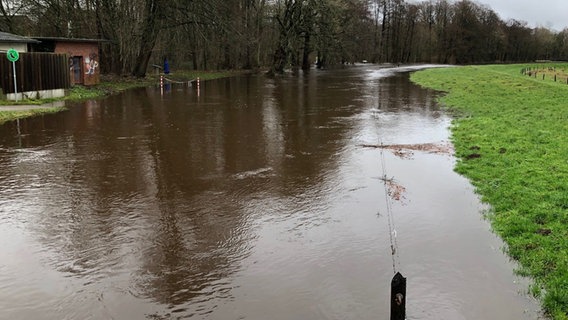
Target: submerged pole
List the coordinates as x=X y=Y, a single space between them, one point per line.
x=398 y=297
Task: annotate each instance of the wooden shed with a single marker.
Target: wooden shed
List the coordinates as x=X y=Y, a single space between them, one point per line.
x=83 y=56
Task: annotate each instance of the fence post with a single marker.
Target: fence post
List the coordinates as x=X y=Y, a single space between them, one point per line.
x=398 y=297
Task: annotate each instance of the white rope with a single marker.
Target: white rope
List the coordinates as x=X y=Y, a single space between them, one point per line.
x=390 y=216
x=180 y=82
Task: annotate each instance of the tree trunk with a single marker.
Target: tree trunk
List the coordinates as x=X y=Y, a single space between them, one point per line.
x=384 y=44
x=279 y=61
x=287 y=24
x=149 y=36
x=306 y=53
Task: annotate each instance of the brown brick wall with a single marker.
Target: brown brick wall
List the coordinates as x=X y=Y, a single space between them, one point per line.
x=88 y=51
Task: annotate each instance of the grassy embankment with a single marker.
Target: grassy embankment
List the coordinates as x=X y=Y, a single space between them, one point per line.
x=511 y=139
x=108 y=86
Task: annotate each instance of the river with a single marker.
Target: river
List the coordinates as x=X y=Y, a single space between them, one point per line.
x=248 y=198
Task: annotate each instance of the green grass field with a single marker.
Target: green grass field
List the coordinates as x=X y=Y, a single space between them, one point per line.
x=511 y=139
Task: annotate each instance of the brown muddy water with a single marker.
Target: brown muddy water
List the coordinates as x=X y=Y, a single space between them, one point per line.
x=248 y=198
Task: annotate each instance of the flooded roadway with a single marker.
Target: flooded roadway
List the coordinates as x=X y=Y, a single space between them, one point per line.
x=248 y=198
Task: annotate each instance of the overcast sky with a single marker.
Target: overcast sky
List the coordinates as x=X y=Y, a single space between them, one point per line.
x=552 y=14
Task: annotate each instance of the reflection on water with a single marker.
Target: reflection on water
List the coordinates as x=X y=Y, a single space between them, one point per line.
x=254 y=197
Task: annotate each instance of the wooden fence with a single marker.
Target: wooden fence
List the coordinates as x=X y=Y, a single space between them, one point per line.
x=35 y=72
x=547 y=73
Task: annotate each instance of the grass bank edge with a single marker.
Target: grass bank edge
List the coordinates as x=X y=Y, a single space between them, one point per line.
x=108 y=86
x=511 y=141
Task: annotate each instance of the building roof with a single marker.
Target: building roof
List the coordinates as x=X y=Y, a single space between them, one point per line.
x=14 y=38
x=62 y=39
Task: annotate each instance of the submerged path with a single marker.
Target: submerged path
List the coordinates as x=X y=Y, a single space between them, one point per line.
x=26 y=107
x=247 y=198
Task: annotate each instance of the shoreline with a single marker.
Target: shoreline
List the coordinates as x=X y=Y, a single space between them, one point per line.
x=111 y=84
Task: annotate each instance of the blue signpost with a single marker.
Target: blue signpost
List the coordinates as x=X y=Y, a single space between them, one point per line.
x=166 y=66
x=13 y=56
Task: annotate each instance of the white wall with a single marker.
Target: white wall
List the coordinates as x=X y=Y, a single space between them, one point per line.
x=20 y=47
x=44 y=94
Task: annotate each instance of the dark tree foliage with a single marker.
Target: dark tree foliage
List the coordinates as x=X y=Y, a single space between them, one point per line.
x=284 y=34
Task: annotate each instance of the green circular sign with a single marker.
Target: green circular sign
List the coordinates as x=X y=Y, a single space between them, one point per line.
x=13 y=55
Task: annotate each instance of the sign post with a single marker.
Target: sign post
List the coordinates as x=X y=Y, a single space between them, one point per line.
x=13 y=56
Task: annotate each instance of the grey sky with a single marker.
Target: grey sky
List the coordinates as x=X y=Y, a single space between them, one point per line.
x=552 y=14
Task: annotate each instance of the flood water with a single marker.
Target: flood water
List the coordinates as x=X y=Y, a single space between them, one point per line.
x=246 y=198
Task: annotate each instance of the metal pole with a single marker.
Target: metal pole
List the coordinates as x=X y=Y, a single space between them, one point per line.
x=15 y=82
x=398 y=297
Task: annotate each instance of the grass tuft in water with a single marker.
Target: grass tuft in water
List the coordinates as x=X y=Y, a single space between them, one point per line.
x=13 y=115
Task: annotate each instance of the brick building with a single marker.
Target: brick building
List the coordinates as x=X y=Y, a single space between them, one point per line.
x=83 y=56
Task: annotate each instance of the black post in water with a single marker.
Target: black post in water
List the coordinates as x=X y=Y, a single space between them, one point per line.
x=398 y=297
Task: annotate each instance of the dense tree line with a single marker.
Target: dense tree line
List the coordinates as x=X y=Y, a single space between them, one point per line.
x=281 y=34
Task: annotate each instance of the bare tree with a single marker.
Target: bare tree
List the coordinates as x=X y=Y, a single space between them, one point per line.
x=9 y=11
x=279 y=34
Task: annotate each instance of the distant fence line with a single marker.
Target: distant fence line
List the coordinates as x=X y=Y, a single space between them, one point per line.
x=546 y=73
x=35 y=72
